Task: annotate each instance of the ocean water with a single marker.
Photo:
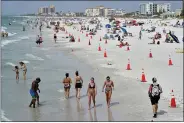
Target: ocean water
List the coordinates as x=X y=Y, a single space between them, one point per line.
x=50 y=62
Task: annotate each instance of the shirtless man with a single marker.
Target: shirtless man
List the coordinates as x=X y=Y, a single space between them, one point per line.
x=33 y=92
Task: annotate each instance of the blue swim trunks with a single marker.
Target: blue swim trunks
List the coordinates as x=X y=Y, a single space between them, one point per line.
x=33 y=94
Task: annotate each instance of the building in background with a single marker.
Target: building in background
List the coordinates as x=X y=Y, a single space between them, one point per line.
x=89 y=12
x=52 y=9
x=119 y=12
x=46 y=10
x=152 y=8
x=178 y=12
x=99 y=11
x=109 y=12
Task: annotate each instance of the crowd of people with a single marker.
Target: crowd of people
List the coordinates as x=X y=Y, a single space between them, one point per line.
x=154 y=90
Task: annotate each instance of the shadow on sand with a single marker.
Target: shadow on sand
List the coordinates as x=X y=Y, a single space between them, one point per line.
x=161 y=112
x=114 y=103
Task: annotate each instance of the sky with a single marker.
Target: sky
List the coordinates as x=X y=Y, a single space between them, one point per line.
x=27 y=7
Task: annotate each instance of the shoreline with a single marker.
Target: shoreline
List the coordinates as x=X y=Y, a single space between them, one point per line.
x=82 y=53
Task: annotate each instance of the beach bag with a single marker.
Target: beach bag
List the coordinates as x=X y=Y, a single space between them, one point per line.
x=155 y=90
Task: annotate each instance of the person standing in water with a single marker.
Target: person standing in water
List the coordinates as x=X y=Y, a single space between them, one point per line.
x=108 y=85
x=67 y=84
x=17 y=72
x=78 y=84
x=23 y=66
x=33 y=92
x=55 y=38
x=91 y=92
x=154 y=93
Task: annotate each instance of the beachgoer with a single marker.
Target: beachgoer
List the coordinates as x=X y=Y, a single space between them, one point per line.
x=55 y=38
x=91 y=92
x=17 y=72
x=154 y=93
x=108 y=85
x=140 y=35
x=33 y=92
x=23 y=66
x=119 y=38
x=67 y=84
x=78 y=84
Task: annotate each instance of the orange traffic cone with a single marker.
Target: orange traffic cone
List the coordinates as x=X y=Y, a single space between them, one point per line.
x=150 y=54
x=89 y=42
x=128 y=65
x=170 y=61
x=128 y=48
x=143 y=78
x=79 y=39
x=100 y=39
x=173 y=101
x=105 y=54
x=106 y=41
x=99 y=48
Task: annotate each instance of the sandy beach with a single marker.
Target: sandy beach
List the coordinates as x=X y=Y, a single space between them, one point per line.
x=130 y=101
x=128 y=83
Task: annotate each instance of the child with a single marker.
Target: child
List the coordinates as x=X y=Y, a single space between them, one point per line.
x=17 y=72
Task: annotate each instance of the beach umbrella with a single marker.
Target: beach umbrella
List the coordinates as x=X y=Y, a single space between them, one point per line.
x=124 y=30
x=108 y=26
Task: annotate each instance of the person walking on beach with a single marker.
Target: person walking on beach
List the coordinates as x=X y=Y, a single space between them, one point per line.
x=33 y=92
x=78 y=84
x=67 y=84
x=140 y=35
x=108 y=85
x=91 y=92
x=17 y=72
x=23 y=66
x=154 y=93
x=55 y=38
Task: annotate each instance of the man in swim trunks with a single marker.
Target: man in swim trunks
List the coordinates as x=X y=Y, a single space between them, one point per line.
x=33 y=92
x=108 y=85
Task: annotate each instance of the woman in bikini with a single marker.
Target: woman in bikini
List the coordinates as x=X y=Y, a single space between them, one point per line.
x=67 y=84
x=23 y=66
x=17 y=72
x=108 y=85
x=78 y=84
x=91 y=92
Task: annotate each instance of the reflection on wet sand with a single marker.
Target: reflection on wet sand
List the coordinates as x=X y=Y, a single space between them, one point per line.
x=36 y=115
x=95 y=117
x=110 y=117
x=69 y=111
x=91 y=117
x=79 y=106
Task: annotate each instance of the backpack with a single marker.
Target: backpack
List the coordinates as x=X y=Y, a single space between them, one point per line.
x=155 y=90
